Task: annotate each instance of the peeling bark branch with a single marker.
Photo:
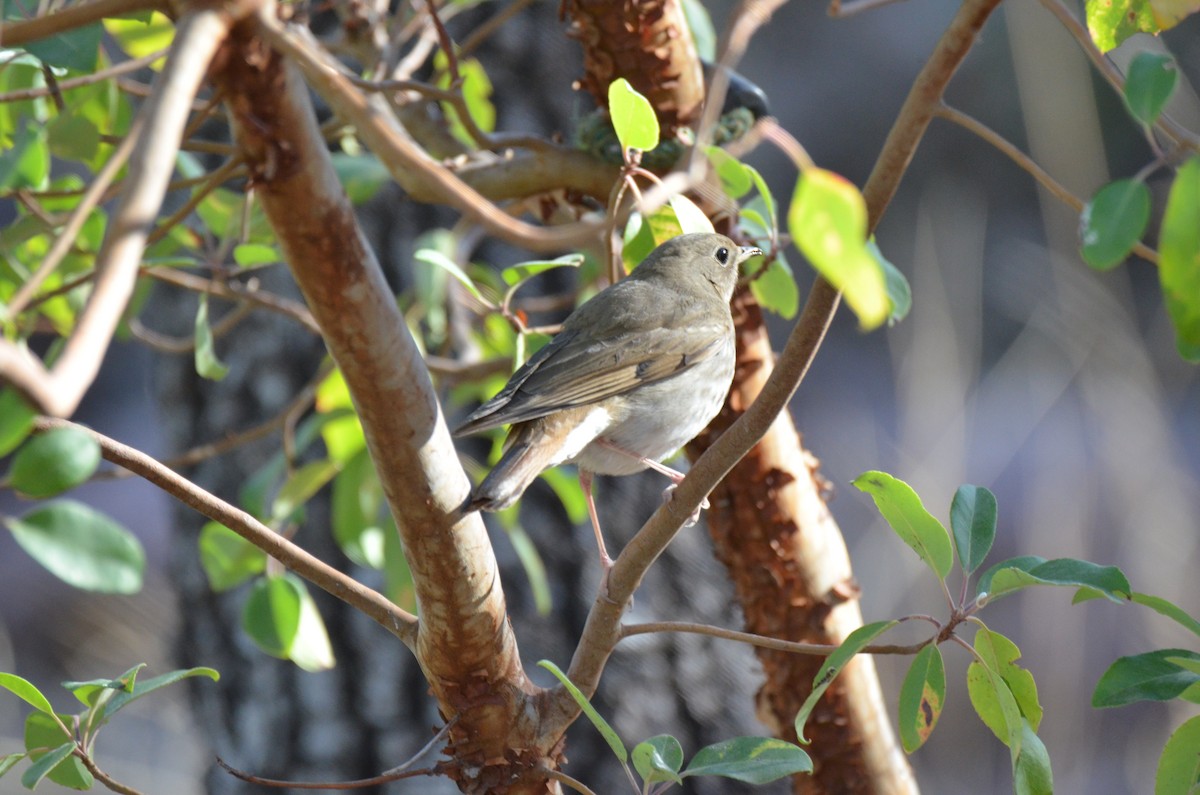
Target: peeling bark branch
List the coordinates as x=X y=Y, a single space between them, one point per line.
x=464 y=645
x=57 y=391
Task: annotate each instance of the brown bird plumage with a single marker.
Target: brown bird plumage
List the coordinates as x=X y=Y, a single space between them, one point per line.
x=635 y=373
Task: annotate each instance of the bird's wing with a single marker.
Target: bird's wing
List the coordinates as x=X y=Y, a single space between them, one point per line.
x=577 y=369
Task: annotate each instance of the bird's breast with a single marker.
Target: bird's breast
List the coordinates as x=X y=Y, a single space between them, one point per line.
x=655 y=420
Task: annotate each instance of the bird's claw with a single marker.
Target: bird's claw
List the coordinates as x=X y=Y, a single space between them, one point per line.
x=669 y=494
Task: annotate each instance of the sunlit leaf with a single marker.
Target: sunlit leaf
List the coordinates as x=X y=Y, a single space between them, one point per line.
x=1179 y=258
x=906 y=515
x=207 y=363
x=1178 y=770
x=25 y=690
x=828 y=222
x=632 y=117
x=1110 y=22
x=776 y=289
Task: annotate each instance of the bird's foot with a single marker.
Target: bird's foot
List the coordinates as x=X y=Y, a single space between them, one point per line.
x=669 y=494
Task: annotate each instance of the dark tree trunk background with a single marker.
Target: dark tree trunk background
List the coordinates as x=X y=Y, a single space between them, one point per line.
x=372 y=711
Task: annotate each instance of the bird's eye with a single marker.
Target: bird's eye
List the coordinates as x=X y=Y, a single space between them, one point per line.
x=722 y=255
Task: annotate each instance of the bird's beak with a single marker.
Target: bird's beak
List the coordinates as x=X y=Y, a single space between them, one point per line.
x=747 y=252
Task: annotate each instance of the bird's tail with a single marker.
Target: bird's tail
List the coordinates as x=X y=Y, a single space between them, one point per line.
x=518 y=467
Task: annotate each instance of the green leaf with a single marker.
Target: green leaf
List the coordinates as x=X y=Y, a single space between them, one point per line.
x=142 y=37
x=76 y=48
x=311 y=649
x=915 y=526
x=922 y=696
x=833 y=665
x=691 y=218
x=1112 y=21
x=47 y=763
x=769 y=205
x=569 y=492
x=438 y=259
x=358 y=512
x=1000 y=655
x=26 y=163
x=643 y=234
x=1179 y=766
x=144 y=687
x=531 y=562
x=898 y=290
x=1168 y=609
x=228 y=559
x=282 y=619
x=300 y=487
x=250 y=254
x=776 y=290
x=1149 y=84
x=53 y=462
x=994 y=704
x=361 y=175
x=271 y=616
x=91 y=691
x=754 y=760
x=340 y=429
x=1112 y=222
x=1013 y=575
x=973 y=520
x=606 y=731
x=8 y=762
x=43 y=731
x=207 y=363
x=16 y=420
x=73 y=137
x=735 y=178
x=1031 y=766
x=828 y=222
x=703 y=33
x=658 y=759
x=1179 y=258
x=1144 y=677
x=24 y=689
x=81 y=547
x=633 y=117
x=516 y=275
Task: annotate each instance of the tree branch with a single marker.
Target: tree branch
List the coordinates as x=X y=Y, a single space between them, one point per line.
x=14 y=34
x=408 y=164
x=375 y=605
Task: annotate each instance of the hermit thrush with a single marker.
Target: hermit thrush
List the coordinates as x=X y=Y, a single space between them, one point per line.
x=635 y=373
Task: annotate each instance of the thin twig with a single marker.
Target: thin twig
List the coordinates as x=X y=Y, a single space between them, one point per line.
x=84 y=80
x=105 y=779
x=563 y=778
x=361 y=783
x=839 y=10
x=1179 y=134
x=404 y=159
x=232 y=291
x=819 y=649
x=14 y=34
x=371 y=603
x=1028 y=165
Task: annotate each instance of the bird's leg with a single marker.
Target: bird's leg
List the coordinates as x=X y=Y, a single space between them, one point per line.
x=585 y=480
x=675 y=476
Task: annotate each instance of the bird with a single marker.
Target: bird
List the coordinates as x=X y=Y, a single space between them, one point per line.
x=634 y=374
